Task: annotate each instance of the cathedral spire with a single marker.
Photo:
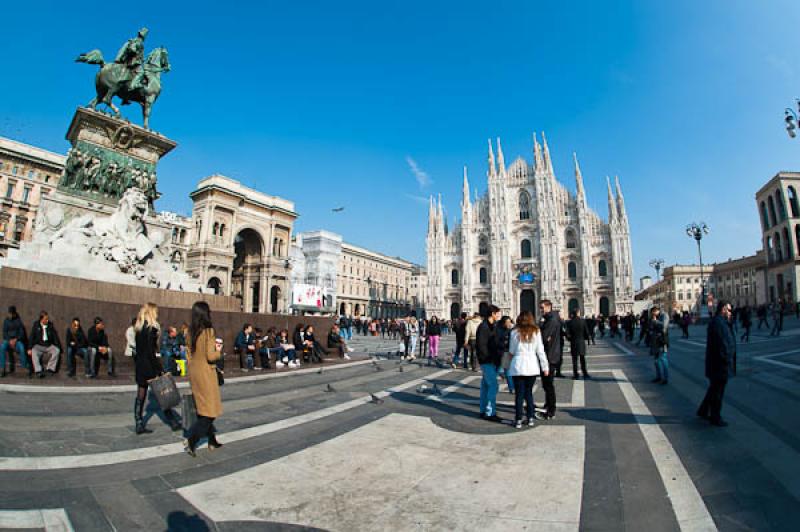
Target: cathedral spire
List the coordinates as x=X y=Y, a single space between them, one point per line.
x=578 y=177
x=612 y=205
x=431 y=216
x=538 y=161
x=620 y=199
x=501 y=161
x=492 y=167
x=465 y=203
x=548 y=164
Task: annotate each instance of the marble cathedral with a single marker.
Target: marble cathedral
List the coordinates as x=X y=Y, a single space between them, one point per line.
x=527 y=239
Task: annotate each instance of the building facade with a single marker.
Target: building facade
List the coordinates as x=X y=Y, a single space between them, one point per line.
x=527 y=239
x=372 y=284
x=27 y=173
x=240 y=243
x=419 y=291
x=315 y=257
x=779 y=213
x=740 y=281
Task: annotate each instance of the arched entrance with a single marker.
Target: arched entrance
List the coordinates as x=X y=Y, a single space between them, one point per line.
x=527 y=301
x=249 y=249
x=455 y=310
x=604 y=306
x=572 y=306
x=341 y=309
x=357 y=310
x=274 y=298
x=483 y=308
x=216 y=285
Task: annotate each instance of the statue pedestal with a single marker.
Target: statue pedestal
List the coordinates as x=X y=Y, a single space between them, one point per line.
x=109 y=156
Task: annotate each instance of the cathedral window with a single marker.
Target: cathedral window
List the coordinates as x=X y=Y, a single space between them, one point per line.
x=454 y=277
x=524 y=206
x=602 y=268
x=483 y=246
x=572 y=271
x=525 y=249
x=570 y=238
x=483 y=275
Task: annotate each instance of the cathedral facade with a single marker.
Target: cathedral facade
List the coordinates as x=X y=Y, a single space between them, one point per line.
x=527 y=239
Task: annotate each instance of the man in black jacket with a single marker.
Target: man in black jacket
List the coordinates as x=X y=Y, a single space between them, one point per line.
x=720 y=360
x=551 y=337
x=460 y=328
x=487 y=354
x=98 y=347
x=77 y=344
x=44 y=341
x=578 y=332
x=14 y=340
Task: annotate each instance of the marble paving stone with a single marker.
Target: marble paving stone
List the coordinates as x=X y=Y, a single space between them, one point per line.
x=399 y=482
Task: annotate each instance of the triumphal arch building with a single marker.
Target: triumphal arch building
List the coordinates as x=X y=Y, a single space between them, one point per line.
x=241 y=243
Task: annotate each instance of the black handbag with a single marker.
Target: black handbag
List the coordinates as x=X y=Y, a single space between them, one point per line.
x=188 y=410
x=220 y=376
x=166 y=391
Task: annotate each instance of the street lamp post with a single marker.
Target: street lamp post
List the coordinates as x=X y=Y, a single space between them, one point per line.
x=698 y=231
x=791 y=119
x=656 y=264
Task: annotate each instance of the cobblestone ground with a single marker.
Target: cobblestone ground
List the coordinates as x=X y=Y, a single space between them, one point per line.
x=382 y=444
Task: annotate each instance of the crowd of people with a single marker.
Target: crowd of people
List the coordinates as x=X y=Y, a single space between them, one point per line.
x=40 y=352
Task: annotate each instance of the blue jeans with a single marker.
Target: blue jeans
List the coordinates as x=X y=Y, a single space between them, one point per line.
x=489 y=389
x=83 y=352
x=510 y=381
x=662 y=366
x=22 y=357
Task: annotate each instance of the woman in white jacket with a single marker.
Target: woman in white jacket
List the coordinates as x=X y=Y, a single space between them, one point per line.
x=528 y=361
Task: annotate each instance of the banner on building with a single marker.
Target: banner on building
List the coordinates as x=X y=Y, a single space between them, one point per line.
x=306 y=295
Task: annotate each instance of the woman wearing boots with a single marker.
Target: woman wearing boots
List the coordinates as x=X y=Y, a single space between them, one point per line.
x=202 y=355
x=148 y=366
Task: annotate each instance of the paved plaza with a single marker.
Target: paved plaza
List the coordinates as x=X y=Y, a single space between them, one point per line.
x=315 y=450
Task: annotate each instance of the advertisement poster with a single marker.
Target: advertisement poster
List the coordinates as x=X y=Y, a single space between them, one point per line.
x=306 y=295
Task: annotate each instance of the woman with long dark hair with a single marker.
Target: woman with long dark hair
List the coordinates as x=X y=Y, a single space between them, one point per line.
x=202 y=355
x=148 y=367
x=528 y=361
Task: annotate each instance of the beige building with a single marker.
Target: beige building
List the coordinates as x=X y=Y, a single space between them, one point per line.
x=26 y=174
x=240 y=243
x=740 y=281
x=418 y=290
x=779 y=213
x=372 y=284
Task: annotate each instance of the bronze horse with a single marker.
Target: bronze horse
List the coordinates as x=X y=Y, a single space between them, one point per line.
x=114 y=79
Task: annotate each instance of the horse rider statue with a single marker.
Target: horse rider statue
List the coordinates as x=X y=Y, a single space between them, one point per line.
x=131 y=55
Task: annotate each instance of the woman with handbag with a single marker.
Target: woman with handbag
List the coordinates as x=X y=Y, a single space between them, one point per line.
x=148 y=367
x=503 y=339
x=528 y=360
x=202 y=355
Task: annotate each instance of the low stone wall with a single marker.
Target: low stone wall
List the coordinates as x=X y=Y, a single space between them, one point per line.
x=117 y=306
x=47 y=283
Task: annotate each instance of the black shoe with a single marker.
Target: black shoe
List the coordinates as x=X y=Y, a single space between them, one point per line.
x=71 y=374
x=719 y=423
x=587 y=376
x=657 y=379
x=213 y=443
x=51 y=372
x=574 y=377
x=665 y=381
x=41 y=374
x=560 y=375
x=190 y=447
x=142 y=429
x=483 y=416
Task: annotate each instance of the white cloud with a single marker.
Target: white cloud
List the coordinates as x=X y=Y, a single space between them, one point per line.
x=422 y=200
x=423 y=179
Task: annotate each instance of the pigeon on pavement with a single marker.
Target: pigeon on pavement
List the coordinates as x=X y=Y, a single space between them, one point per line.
x=330 y=389
x=375 y=399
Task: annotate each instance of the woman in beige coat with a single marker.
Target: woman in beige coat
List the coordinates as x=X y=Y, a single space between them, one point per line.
x=201 y=355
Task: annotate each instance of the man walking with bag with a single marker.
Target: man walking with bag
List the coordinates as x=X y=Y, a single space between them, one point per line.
x=578 y=332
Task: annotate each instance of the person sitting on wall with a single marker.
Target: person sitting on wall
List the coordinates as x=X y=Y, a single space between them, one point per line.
x=14 y=341
x=170 y=350
x=262 y=349
x=99 y=348
x=336 y=343
x=44 y=344
x=316 y=351
x=288 y=351
x=77 y=344
x=245 y=346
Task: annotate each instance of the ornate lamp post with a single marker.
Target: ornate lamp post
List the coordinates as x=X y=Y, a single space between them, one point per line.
x=792 y=120
x=698 y=231
x=656 y=264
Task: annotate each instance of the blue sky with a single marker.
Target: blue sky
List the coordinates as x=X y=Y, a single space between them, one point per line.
x=328 y=103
